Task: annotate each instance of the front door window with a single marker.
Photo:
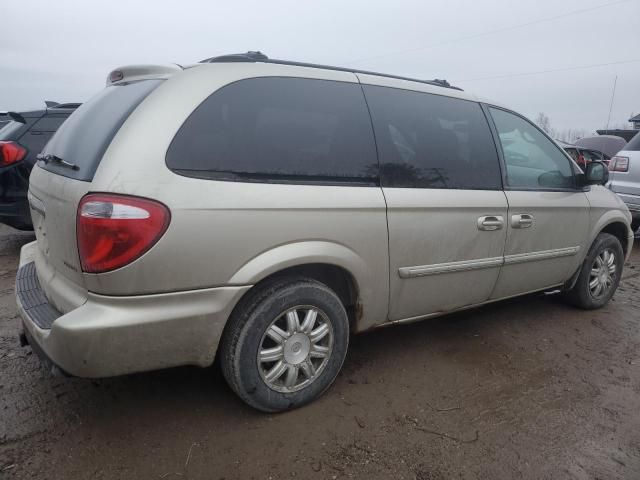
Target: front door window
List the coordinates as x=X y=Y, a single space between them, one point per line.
x=532 y=160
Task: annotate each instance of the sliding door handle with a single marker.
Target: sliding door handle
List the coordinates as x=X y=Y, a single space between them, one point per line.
x=490 y=223
x=522 y=220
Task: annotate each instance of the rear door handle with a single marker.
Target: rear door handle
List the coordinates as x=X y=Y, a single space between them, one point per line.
x=490 y=223
x=522 y=220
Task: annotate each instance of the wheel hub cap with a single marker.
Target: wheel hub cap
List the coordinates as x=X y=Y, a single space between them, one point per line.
x=296 y=348
x=603 y=273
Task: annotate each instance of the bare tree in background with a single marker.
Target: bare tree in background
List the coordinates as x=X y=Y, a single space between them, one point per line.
x=569 y=135
x=544 y=122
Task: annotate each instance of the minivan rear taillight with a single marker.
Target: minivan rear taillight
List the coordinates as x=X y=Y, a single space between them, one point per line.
x=10 y=153
x=619 y=164
x=114 y=230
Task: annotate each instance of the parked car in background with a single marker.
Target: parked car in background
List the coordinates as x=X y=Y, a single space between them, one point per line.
x=626 y=134
x=583 y=156
x=22 y=138
x=574 y=153
x=609 y=145
x=260 y=211
x=594 y=156
x=624 y=171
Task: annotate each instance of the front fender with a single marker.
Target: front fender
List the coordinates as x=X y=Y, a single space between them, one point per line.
x=607 y=209
x=607 y=218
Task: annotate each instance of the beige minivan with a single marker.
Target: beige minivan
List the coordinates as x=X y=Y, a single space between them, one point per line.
x=260 y=211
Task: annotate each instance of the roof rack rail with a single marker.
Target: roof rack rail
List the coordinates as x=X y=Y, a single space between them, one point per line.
x=250 y=56
x=257 y=56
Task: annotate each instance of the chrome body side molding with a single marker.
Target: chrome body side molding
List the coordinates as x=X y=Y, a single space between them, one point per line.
x=466 y=265
x=541 y=255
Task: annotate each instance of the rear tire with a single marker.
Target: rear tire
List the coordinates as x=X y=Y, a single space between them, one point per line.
x=635 y=224
x=285 y=344
x=599 y=275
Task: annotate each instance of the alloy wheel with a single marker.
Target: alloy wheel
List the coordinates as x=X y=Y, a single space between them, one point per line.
x=295 y=348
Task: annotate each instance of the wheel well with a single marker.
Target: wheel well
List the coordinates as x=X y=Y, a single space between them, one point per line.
x=618 y=230
x=336 y=278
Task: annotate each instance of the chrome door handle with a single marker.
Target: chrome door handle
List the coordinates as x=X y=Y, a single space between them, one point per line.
x=490 y=223
x=522 y=220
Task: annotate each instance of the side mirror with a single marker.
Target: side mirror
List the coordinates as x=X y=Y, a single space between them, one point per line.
x=596 y=173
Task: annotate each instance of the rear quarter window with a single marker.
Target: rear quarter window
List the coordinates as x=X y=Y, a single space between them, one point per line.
x=276 y=129
x=84 y=137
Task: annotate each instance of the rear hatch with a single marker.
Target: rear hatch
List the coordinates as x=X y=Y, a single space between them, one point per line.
x=58 y=182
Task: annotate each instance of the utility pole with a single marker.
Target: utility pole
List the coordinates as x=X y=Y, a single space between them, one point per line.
x=611 y=105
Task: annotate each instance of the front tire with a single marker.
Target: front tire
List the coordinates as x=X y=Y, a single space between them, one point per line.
x=285 y=344
x=599 y=275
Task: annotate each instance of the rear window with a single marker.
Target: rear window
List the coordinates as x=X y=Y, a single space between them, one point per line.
x=634 y=144
x=49 y=123
x=85 y=135
x=279 y=129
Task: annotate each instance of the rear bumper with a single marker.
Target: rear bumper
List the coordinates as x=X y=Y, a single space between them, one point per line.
x=109 y=336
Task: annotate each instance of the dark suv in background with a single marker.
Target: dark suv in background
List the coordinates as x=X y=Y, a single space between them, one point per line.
x=22 y=137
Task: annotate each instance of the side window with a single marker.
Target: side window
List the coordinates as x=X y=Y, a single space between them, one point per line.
x=432 y=141
x=279 y=129
x=532 y=160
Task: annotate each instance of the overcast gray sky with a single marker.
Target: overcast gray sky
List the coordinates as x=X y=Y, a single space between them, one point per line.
x=62 y=50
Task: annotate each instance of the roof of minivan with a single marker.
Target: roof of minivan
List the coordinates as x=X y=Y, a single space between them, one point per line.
x=296 y=70
x=259 y=57
x=443 y=87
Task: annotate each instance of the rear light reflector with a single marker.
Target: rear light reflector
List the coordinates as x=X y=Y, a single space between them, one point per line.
x=10 y=153
x=619 y=164
x=115 y=230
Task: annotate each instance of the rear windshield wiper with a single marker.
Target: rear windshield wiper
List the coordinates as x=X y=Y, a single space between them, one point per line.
x=48 y=158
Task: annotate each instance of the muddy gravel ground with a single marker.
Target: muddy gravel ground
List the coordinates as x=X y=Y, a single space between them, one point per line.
x=530 y=388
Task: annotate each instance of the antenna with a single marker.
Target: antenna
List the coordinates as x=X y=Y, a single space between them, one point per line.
x=611 y=105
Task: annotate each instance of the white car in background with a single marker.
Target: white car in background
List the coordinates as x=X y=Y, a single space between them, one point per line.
x=624 y=175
